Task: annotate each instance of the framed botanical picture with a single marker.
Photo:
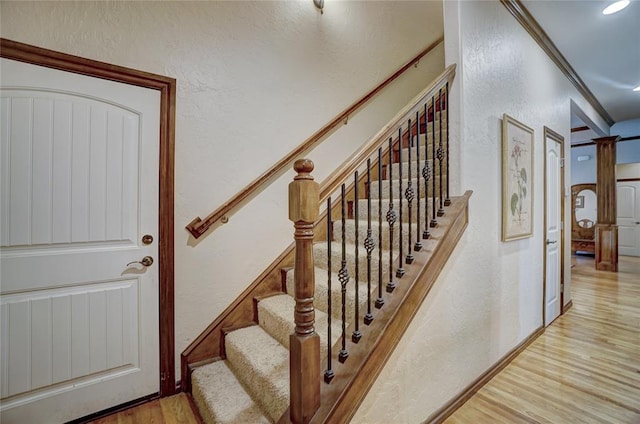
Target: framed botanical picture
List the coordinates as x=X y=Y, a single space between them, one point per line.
x=517 y=179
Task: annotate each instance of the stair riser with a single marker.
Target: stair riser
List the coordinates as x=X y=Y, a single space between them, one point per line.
x=271 y=393
x=220 y=397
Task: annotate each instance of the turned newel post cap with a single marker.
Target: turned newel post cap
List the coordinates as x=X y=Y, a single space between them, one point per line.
x=303 y=167
x=304 y=193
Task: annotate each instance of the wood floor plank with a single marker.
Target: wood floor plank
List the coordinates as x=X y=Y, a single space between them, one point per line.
x=585 y=368
x=170 y=410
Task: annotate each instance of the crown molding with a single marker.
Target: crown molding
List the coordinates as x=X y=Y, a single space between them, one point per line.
x=528 y=22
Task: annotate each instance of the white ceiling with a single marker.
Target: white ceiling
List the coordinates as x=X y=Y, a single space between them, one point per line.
x=603 y=50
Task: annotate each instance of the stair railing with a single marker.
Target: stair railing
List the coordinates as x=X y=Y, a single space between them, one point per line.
x=198 y=226
x=419 y=131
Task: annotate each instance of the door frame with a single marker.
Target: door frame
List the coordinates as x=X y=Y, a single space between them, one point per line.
x=548 y=133
x=167 y=86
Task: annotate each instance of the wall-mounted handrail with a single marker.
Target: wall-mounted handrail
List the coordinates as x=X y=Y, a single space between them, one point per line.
x=199 y=226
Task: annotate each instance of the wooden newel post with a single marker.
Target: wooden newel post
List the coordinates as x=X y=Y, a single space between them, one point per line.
x=304 y=343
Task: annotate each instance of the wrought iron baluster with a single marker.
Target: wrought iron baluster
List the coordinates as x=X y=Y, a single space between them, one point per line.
x=426 y=173
x=418 y=245
x=343 y=277
x=369 y=245
x=328 y=373
x=440 y=155
x=447 y=200
x=380 y=299
x=356 y=335
x=391 y=218
x=409 y=194
x=434 y=220
x=400 y=270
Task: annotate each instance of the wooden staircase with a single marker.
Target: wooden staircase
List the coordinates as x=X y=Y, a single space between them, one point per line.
x=240 y=369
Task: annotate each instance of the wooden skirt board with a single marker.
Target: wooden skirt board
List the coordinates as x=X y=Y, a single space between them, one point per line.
x=79 y=191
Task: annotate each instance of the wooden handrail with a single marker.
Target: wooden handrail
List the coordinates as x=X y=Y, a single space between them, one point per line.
x=199 y=226
x=333 y=181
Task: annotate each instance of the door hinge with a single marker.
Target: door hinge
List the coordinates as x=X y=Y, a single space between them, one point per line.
x=562 y=225
x=562 y=163
x=562 y=287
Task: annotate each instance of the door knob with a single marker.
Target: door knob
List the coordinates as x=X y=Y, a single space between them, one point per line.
x=552 y=242
x=146 y=261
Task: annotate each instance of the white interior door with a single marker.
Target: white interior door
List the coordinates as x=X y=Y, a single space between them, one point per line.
x=553 y=230
x=628 y=198
x=78 y=191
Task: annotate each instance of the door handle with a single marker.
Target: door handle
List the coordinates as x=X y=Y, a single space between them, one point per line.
x=552 y=242
x=146 y=261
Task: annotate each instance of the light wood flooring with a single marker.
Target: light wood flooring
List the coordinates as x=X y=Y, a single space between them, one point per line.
x=170 y=410
x=585 y=367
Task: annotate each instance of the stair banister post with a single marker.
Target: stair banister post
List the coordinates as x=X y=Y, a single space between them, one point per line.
x=304 y=343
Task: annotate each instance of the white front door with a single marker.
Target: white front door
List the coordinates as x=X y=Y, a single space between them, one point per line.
x=78 y=191
x=553 y=242
x=628 y=221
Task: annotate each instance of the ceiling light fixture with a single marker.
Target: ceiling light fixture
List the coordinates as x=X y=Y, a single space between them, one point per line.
x=320 y=5
x=615 y=7
x=637 y=88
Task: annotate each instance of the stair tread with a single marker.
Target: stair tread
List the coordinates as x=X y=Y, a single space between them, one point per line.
x=280 y=308
x=261 y=363
x=221 y=398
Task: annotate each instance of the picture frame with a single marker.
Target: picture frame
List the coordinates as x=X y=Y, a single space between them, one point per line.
x=517 y=179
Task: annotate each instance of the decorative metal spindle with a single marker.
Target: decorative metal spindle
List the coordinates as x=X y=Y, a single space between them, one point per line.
x=447 y=200
x=434 y=220
x=343 y=277
x=400 y=270
x=418 y=246
x=328 y=373
x=369 y=245
x=409 y=194
x=379 y=300
x=391 y=219
x=440 y=155
x=356 y=335
x=426 y=173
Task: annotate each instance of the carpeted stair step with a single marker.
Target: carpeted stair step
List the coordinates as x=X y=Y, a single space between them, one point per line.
x=396 y=186
x=350 y=233
x=261 y=364
x=275 y=315
x=220 y=397
x=423 y=142
x=320 y=254
x=362 y=212
x=414 y=173
x=322 y=294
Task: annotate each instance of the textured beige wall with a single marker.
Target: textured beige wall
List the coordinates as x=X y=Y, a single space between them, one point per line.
x=489 y=296
x=255 y=79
